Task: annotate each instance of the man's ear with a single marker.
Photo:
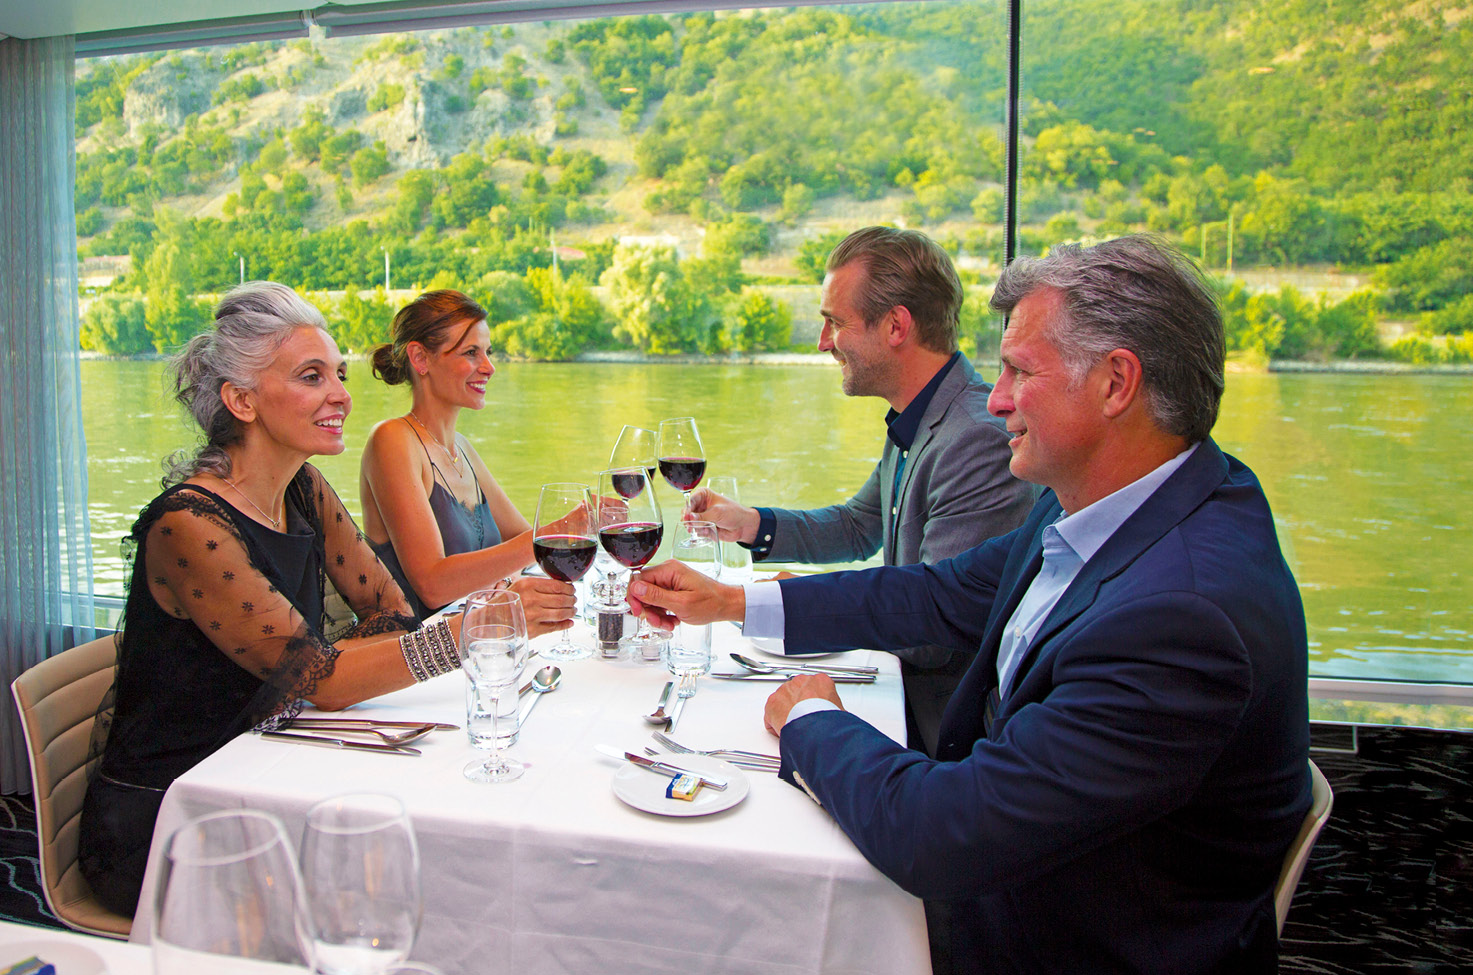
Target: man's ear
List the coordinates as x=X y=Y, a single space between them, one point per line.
x=898 y=326
x=240 y=402
x=1122 y=372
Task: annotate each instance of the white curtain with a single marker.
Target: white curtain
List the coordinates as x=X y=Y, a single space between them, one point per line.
x=45 y=550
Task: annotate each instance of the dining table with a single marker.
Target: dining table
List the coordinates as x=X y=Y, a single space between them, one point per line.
x=556 y=873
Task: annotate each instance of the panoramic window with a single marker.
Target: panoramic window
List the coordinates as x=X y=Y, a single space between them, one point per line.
x=627 y=188
x=623 y=191
x=1308 y=156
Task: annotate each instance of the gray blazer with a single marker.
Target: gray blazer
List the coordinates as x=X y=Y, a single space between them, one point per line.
x=956 y=492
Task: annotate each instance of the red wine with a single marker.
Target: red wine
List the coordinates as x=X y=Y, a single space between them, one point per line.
x=564 y=557
x=632 y=544
x=683 y=473
x=628 y=485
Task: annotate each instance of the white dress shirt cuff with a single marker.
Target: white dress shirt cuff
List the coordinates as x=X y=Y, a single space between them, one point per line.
x=764 y=619
x=811 y=705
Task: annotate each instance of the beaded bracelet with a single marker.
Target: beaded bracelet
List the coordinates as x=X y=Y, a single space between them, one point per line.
x=430 y=651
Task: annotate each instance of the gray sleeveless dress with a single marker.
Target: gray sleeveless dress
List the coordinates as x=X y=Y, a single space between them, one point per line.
x=462 y=529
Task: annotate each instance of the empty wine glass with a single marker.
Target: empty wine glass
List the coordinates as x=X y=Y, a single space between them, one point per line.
x=564 y=544
x=360 y=869
x=736 y=560
x=682 y=458
x=228 y=888
x=688 y=652
x=493 y=652
x=630 y=528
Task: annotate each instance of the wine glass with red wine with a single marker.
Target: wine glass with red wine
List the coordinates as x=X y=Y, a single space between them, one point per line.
x=636 y=447
x=682 y=458
x=630 y=529
x=564 y=544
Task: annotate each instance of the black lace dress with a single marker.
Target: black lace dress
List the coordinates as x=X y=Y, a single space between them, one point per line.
x=222 y=634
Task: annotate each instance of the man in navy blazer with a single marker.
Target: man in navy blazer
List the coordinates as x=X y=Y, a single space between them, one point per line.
x=1125 y=763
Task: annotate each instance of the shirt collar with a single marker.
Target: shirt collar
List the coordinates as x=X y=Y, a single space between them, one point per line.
x=1087 y=529
x=903 y=427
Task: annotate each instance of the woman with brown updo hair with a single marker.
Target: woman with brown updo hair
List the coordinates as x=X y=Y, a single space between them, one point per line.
x=432 y=511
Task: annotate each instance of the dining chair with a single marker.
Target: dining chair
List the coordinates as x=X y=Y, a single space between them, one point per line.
x=59 y=699
x=1319 y=811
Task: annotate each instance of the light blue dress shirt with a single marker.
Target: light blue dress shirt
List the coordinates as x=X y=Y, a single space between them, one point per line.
x=1068 y=543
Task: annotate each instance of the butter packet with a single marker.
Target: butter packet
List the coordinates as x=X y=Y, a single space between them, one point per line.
x=30 y=966
x=683 y=787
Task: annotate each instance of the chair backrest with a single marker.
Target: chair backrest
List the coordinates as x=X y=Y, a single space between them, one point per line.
x=58 y=700
x=1298 y=855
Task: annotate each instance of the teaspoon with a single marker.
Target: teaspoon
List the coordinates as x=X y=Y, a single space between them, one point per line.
x=659 y=716
x=545 y=681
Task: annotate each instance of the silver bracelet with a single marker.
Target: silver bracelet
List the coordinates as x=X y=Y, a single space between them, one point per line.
x=430 y=651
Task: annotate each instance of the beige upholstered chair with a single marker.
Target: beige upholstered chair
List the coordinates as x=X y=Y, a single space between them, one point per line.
x=1294 y=860
x=58 y=701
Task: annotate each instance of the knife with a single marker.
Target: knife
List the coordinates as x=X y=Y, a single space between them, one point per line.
x=662 y=768
x=340 y=743
x=796 y=663
x=783 y=678
x=526 y=708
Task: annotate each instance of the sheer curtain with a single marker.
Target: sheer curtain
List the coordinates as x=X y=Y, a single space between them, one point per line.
x=45 y=552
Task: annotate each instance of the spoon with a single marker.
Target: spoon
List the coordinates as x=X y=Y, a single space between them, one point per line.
x=544 y=681
x=388 y=737
x=659 y=716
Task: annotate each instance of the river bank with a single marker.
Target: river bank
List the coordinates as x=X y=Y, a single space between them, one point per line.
x=631 y=357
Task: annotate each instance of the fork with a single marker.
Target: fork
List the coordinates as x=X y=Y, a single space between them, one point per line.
x=729 y=753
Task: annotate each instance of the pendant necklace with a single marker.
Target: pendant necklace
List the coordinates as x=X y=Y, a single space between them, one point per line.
x=454 y=455
x=275 y=524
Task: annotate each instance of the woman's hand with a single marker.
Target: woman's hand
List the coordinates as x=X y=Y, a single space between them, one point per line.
x=549 y=604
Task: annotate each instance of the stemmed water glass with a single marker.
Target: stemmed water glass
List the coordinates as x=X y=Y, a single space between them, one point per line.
x=228 y=888
x=564 y=542
x=360 y=869
x=736 y=560
x=688 y=652
x=493 y=652
x=682 y=458
x=630 y=528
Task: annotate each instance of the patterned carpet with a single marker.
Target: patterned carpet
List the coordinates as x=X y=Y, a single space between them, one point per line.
x=20 y=894
x=1388 y=889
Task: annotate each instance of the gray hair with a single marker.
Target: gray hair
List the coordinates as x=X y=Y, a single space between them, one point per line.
x=251 y=323
x=909 y=269
x=1137 y=293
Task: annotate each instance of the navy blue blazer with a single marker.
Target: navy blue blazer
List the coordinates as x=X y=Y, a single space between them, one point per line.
x=1129 y=805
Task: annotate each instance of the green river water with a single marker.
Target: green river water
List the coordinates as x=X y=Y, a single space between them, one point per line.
x=1369 y=475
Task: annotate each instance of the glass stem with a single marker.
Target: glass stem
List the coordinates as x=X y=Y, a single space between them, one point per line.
x=494 y=761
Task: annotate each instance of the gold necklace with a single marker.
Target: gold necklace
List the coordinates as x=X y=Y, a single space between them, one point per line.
x=454 y=455
x=275 y=524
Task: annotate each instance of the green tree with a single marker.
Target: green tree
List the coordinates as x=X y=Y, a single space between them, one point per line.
x=369 y=163
x=171 y=313
x=760 y=323
x=654 y=309
x=114 y=324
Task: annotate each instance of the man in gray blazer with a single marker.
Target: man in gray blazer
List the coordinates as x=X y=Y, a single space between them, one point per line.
x=891 y=304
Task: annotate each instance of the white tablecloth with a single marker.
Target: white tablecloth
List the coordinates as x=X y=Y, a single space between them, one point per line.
x=554 y=874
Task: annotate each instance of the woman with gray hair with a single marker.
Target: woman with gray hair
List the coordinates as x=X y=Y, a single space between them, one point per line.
x=224 y=620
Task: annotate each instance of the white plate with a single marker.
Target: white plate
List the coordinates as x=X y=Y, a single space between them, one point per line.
x=645 y=790
x=774 y=648
x=69 y=958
